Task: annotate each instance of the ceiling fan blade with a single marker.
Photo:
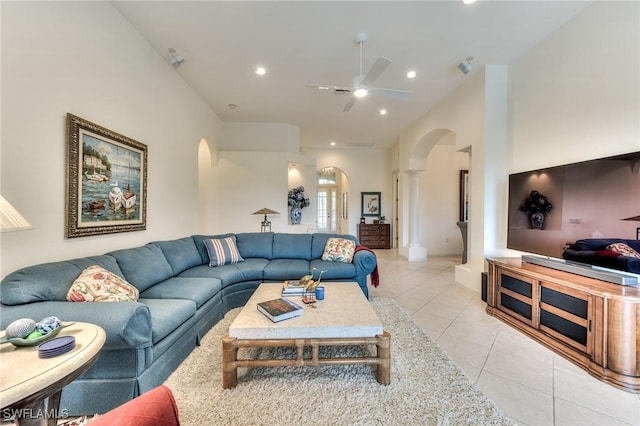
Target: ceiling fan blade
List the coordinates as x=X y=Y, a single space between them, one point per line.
x=350 y=104
x=329 y=87
x=374 y=72
x=391 y=93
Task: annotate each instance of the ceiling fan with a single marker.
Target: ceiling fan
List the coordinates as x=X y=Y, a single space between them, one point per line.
x=362 y=82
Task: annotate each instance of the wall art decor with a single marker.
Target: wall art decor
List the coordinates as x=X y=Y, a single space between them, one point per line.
x=371 y=203
x=106 y=181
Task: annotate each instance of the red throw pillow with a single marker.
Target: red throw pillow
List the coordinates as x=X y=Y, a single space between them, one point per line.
x=607 y=253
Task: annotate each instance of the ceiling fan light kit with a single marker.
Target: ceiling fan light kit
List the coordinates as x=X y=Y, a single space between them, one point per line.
x=362 y=82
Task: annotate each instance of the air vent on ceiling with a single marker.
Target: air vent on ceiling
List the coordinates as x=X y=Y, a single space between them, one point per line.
x=341 y=91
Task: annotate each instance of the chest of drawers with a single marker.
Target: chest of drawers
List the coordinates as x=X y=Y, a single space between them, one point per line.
x=375 y=235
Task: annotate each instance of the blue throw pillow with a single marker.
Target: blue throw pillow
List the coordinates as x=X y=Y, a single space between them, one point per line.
x=222 y=251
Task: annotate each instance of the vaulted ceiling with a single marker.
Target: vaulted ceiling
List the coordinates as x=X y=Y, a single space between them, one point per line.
x=300 y=42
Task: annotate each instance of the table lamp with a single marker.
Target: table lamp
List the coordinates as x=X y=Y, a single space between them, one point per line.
x=10 y=218
x=265 y=224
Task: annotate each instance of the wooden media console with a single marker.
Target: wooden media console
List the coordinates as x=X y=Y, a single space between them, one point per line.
x=593 y=323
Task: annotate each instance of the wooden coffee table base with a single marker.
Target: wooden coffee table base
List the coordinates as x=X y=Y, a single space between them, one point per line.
x=230 y=361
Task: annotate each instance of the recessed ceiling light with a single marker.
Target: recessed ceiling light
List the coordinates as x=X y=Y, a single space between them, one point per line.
x=383 y=112
x=332 y=143
x=468 y=1
x=411 y=74
x=261 y=71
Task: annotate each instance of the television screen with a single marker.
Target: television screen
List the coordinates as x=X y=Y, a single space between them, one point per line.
x=589 y=199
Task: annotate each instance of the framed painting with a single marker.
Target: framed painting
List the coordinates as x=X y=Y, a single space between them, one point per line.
x=464 y=195
x=106 y=181
x=371 y=204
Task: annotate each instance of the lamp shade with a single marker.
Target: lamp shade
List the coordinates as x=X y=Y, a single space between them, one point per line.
x=10 y=218
x=266 y=211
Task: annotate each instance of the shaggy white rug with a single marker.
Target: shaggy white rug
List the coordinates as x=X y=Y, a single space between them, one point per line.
x=427 y=388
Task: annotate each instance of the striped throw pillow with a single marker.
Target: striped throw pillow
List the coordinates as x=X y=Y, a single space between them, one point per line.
x=222 y=251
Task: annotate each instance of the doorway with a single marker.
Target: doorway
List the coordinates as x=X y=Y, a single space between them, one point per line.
x=332 y=213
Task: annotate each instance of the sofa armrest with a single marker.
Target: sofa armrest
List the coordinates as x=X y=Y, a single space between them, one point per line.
x=364 y=262
x=126 y=324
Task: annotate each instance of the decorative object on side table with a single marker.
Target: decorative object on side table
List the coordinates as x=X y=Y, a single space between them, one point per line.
x=536 y=205
x=265 y=225
x=297 y=201
x=309 y=296
x=26 y=332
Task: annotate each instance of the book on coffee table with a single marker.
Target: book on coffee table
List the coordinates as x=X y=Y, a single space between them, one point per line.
x=280 y=309
x=292 y=288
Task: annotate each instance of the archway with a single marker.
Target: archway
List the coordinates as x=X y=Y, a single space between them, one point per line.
x=333 y=200
x=432 y=191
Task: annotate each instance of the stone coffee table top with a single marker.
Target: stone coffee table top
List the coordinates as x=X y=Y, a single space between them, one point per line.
x=344 y=312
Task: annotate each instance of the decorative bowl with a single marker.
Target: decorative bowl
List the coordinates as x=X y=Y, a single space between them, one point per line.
x=17 y=341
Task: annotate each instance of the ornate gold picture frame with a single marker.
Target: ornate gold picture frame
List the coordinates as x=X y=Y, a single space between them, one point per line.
x=106 y=181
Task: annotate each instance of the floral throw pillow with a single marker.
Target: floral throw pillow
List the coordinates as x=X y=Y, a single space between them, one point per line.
x=339 y=250
x=96 y=284
x=624 y=250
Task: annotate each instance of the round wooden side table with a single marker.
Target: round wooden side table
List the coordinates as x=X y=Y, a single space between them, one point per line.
x=26 y=380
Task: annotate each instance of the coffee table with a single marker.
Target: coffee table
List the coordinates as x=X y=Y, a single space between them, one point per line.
x=343 y=318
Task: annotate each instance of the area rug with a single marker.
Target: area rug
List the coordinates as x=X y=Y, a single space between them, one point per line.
x=427 y=388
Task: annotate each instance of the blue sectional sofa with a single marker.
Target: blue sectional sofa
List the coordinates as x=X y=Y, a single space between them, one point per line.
x=181 y=298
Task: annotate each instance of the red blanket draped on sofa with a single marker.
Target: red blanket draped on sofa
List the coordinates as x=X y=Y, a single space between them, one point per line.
x=375 y=276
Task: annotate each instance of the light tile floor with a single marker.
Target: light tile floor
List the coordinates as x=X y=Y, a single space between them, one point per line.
x=531 y=384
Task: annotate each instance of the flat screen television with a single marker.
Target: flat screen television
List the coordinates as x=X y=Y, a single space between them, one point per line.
x=590 y=199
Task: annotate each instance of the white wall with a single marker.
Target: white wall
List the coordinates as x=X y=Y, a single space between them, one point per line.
x=439 y=202
x=260 y=137
x=576 y=95
x=367 y=170
x=84 y=58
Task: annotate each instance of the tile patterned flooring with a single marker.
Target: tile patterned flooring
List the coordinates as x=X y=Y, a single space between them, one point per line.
x=549 y=391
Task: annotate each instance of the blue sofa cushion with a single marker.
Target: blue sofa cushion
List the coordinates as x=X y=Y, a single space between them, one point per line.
x=49 y=281
x=200 y=290
x=199 y=242
x=255 y=244
x=167 y=315
x=143 y=266
x=320 y=241
x=249 y=270
x=292 y=246
x=333 y=270
x=286 y=269
x=181 y=254
x=222 y=251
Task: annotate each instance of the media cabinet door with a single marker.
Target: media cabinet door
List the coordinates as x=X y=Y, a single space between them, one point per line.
x=517 y=296
x=566 y=314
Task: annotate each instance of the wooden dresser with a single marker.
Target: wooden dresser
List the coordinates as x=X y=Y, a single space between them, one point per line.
x=595 y=324
x=375 y=235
